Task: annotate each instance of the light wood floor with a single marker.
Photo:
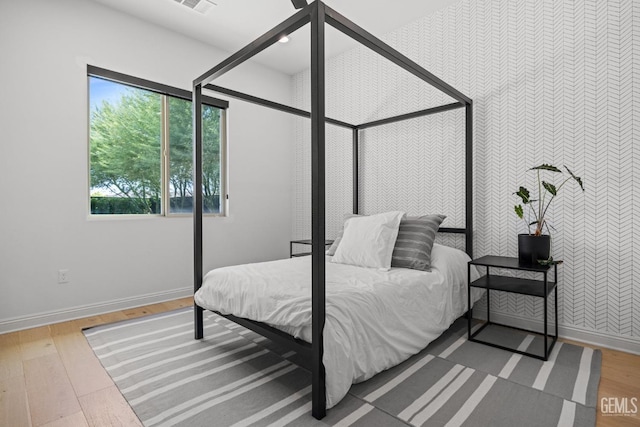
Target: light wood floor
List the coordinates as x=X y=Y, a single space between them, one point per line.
x=50 y=377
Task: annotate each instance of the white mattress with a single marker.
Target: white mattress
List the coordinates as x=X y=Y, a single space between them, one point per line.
x=374 y=319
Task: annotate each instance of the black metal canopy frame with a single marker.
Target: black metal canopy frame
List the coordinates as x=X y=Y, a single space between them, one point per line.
x=316 y=13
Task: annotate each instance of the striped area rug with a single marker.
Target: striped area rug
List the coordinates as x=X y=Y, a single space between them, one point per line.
x=235 y=377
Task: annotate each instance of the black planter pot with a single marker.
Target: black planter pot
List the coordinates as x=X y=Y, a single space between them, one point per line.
x=532 y=248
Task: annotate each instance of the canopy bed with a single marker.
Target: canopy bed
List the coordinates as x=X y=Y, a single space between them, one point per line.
x=312 y=348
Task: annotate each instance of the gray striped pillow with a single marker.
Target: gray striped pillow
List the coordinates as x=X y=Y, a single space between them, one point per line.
x=415 y=241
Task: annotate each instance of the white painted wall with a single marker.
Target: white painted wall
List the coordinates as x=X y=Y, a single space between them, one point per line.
x=44 y=221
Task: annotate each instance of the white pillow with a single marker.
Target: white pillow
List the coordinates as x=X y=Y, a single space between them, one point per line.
x=368 y=240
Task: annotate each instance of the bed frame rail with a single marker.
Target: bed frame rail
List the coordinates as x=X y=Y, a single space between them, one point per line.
x=301 y=347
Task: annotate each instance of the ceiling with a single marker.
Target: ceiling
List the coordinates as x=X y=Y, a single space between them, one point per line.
x=232 y=24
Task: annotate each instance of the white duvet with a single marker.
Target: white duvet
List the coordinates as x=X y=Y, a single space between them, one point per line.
x=374 y=319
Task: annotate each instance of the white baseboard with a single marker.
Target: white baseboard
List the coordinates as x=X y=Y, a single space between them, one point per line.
x=48 y=318
x=615 y=342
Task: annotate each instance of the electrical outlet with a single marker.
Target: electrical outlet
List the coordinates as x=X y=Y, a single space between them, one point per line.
x=63 y=276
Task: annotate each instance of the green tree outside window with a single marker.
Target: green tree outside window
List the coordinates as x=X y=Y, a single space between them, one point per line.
x=126 y=151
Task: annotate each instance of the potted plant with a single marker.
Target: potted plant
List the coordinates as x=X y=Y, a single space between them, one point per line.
x=536 y=246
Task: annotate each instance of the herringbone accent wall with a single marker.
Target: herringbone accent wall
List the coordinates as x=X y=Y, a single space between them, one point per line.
x=552 y=82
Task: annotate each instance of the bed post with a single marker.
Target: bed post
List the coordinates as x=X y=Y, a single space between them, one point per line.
x=318 y=389
x=197 y=206
x=356 y=170
x=469 y=178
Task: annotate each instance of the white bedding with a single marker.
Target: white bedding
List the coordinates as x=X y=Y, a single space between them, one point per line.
x=374 y=319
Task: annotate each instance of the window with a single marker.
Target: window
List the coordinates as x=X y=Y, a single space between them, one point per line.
x=141 y=147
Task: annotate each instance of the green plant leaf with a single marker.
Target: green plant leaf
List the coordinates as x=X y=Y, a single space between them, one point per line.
x=519 y=211
x=577 y=178
x=550 y=187
x=546 y=167
x=524 y=194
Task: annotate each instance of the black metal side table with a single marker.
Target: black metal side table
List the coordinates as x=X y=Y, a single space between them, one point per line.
x=536 y=288
x=304 y=242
